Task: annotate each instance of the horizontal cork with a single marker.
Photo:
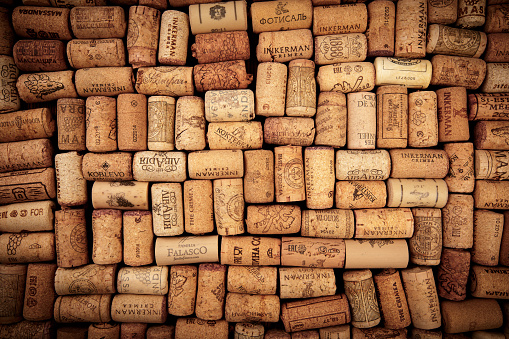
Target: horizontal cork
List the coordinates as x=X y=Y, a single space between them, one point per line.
x=39 y=55
x=252 y=279
x=284 y=46
x=91 y=22
x=417 y=193
x=86 y=279
x=30 y=124
x=313 y=252
x=186 y=250
x=411 y=73
x=295 y=131
x=216 y=164
x=250 y=251
x=251 y=308
x=115 y=166
x=21 y=155
x=268 y=16
x=46 y=86
x=85 y=53
x=27 y=185
x=376 y=253
x=273 y=219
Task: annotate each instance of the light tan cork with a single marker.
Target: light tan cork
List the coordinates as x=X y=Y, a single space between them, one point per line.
x=27 y=216
x=45 y=86
x=251 y=308
x=419 y=163
x=376 y=253
x=143 y=35
x=161 y=123
x=319 y=177
x=13 y=286
x=295 y=131
x=271 y=16
x=410 y=30
x=284 y=46
x=159 y=166
x=187 y=250
x=330 y=119
x=457 y=71
x=90 y=22
x=20 y=155
x=461 y=178
x=306 y=282
x=411 y=73
x=229 y=206
x=35 y=123
x=346 y=77
x=271 y=80
x=351 y=194
x=39 y=55
x=363 y=164
x=360 y=291
x=173 y=38
x=86 y=279
x=86 y=53
x=289 y=174
x=327 y=223
x=198 y=206
x=71 y=124
x=71 y=237
x=229 y=105
x=216 y=164
x=194 y=328
x=452 y=274
x=116 y=166
x=392 y=117
x=222 y=46
x=471 y=315
x=27 y=185
x=312 y=252
x=221 y=75
x=332 y=49
x=489 y=282
x=136 y=308
x=83 y=308
x=210 y=295
x=496 y=78
x=416 y=193
x=381 y=25
x=173 y=81
x=132 y=122
x=108 y=81
x=376 y=223
x=249 y=330
x=470 y=14
x=301 y=89
x=235 y=135
x=423 y=119
x=259 y=176
x=138 y=238
x=27 y=247
x=458 y=221
x=337 y=19
x=252 y=279
x=182 y=290
x=190 y=124
x=335 y=332
x=124 y=195
x=207 y=18
x=491 y=194
x=273 y=219
x=392 y=299
x=488 y=227
x=107 y=235
x=101 y=121
x=30 y=21
x=250 y=251
x=361 y=121
x=71 y=185
x=444 y=40
x=426 y=243
x=167 y=209
x=143 y=280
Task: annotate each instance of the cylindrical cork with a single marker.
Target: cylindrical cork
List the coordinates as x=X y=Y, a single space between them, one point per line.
x=210 y=293
x=29 y=124
x=333 y=332
x=235 y=135
x=216 y=164
x=250 y=251
x=488 y=227
x=488 y=106
x=82 y=308
x=294 y=15
x=273 y=219
x=241 y=307
x=143 y=35
x=362 y=165
x=455 y=41
x=41 y=23
x=190 y=124
x=27 y=216
x=229 y=105
x=411 y=73
x=504 y=247
x=161 y=123
x=495 y=18
x=182 y=290
x=132 y=122
x=471 y=14
x=39 y=55
x=173 y=38
x=194 y=328
x=36 y=329
x=71 y=237
x=159 y=4
x=138 y=238
x=497 y=49
x=289 y=131
x=167 y=209
x=354 y=194
x=47 y=86
x=442 y=12
x=330 y=119
x=381 y=25
x=91 y=22
x=135 y=308
x=491 y=194
x=452 y=114
x=198 y=206
x=86 y=53
x=301 y=89
x=284 y=46
x=376 y=253
x=471 y=315
x=107 y=235
x=410 y=30
x=27 y=247
x=249 y=331
x=223 y=46
x=306 y=282
x=252 y=279
x=461 y=177
x=360 y=291
x=328 y=223
x=143 y=280
x=489 y=135
x=383 y=223
x=71 y=185
x=419 y=163
x=15 y=156
x=457 y=71
x=361 y=122
x=71 y=124
x=133 y=330
x=319 y=177
x=274 y=333
x=315 y=313
x=74 y=331
x=354 y=19
x=187 y=250
x=426 y=243
x=259 y=176
x=101 y=121
x=289 y=174
x=7 y=37
x=221 y=75
x=392 y=115
x=13 y=289
x=229 y=206
x=346 y=77
x=487 y=335
x=332 y=49
x=271 y=80
x=27 y=185
x=416 y=193
x=496 y=78
x=87 y=279
x=422 y=119
x=452 y=274
x=124 y=195
x=392 y=299
x=207 y=18
x=422 y=297
x=165 y=80
x=489 y=282
x=312 y=252
x=103 y=330
x=109 y=81
x=115 y=166
x=378 y=332
x=458 y=221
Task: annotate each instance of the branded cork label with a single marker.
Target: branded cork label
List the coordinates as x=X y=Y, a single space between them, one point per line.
x=71 y=123
x=301 y=87
x=273 y=219
x=99 y=17
x=347 y=47
x=394 y=114
x=353 y=76
x=46 y=54
x=161 y=121
x=35 y=189
x=426 y=242
x=463 y=41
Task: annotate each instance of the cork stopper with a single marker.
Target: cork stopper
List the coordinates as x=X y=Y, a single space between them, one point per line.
x=108 y=81
x=489 y=282
x=159 y=166
x=71 y=124
x=328 y=223
x=28 y=185
x=381 y=25
x=124 y=195
x=209 y=18
x=339 y=332
x=71 y=237
x=161 y=123
x=173 y=38
x=132 y=122
x=376 y=223
x=143 y=35
x=275 y=333
x=167 y=209
x=497 y=48
x=235 y=135
x=15 y=156
x=90 y=22
x=298 y=40
x=411 y=73
x=457 y=71
x=330 y=119
x=392 y=117
x=488 y=228
x=313 y=252
x=419 y=163
x=496 y=78
x=209 y=47
x=28 y=20
x=259 y=176
x=271 y=79
x=461 y=177
x=264 y=20
x=182 y=290
x=249 y=330
x=306 y=282
x=14 y=277
x=251 y=308
x=27 y=216
x=101 y=133
x=252 y=279
x=452 y=114
x=452 y=274
x=417 y=193
x=362 y=165
x=273 y=219
x=471 y=315
x=376 y=332
x=71 y=185
x=423 y=120
x=198 y=206
x=250 y=251
x=458 y=221
x=194 y=328
x=491 y=194
x=229 y=206
x=354 y=18
x=289 y=174
x=443 y=40
x=319 y=177
x=346 y=77
x=7 y=39
x=376 y=253
x=231 y=75
x=295 y=131
x=444 y=13
x=484 y=106
x=301 y=89
x=83 y=308
x=186 y=250
x=360 y=194
x=35 y=55
x=229 y=105
x=361 y=120
x=75 y=331
x=138 y=238
x=133 y=330
x=87 y=53
x=116 y=166
x=165 y=80
x=139 y=308
x=32 y=87
x=107 y=235
x=39 y=124
x=410 y=30
x=471 y=14
x=86 y=279
x=426 y=243
x=360 y=291
x=27 y=247
x=143 y=280
x=190 y=124
x=210 y=295
x=160 y=331
x=392 y=299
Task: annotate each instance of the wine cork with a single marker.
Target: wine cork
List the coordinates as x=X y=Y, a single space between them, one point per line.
x=161 y=123
x=315 y=313
x=218 y=17
x=181 y=3
x=362 y=165
x=330 y=119
x=377 y=332
x=319 y=177
x=495 y=19
x=458 y=221
x=312 y=252
x=271 y=79
x=143 y=35
x=27 y=185
x=489 y=282
x=135 y=308
x=426 y=243
x=229 y=206
x=471 y=315
x=241 y=307
x=7 y=38
x=133 y=330
x=123 y=195
x=442 y=12
x=143 y=280
x=47 y=86
x=487 y=335
x=289 y=174
x=223 y=46
x=250 y=251
x=392 y=115
x=416 y=193
x=30 y=124
x=167 y=209
x=351 y=194
x=160 y=331
x=216 y=164
x=455 y=41
x=422 y=297
x=488 y=106
x=39 y=55
x=82 y=308
x=159 y=4
x=419 y=163
x=91 y=22
x=132 y=122
x=332 y=49
x=273 y=219
x=275 y=333
x=252 y=279
x=41 y=23
x=190 y=124
x=235 y=135
x=410 y=30
x=103 y=330
x=328 y=223
x=14 y=156
x=259 y=176
x=198 y=206
x=229 y=105
x=346 y=77
x=380 y=32
x=108 y=81
x=457 y=71
x=107 y=235
x=353 y=19
x=86 y=53
x=423 y=119
x=376 y=253
x=411 y=73
x=194 y=328
x=27 y=216
x=138 y=238
x=488 y=226
x=115 y=166
x=186 y=250
x=71 y=124
x=360 y=291
x=461 y=167
x=71 y=237
x=471 y=14
x=490 y=135
x=491 y=194
x=173 y=38
x=12 y=288
x=249 y=330
x=504 y=247
x=71 y=185
x=301 y=89
x=452 y=274
x=34 y=329
x=182 y=290
x=165 y=80
x=159 y=166
x=101 y=120
x=335 y=332
x=289 y=131
x=497 y=49
x=392 y=299
x=306 y=282
x=496 y=78
x=361 y=122
x=210 y=293
x=221 y=75
x=87 y=279
x=75 y=331
x=271 y=16
x=383 y=223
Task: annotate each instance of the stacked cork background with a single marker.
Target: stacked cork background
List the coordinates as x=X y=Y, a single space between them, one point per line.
x=261 y=169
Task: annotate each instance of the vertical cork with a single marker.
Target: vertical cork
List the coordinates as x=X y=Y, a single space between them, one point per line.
x=198 y=206
x=186 y=250
x=301 y=89
x=194 y=328
x=291 y=45
x=458 y=221
x=39 y=293
x=182 y=290
x=491 y=194
x=221 y=46
x=444 y=40
x=30 y=22
x=496 y=78
x=381 y=24
x=295 y=131
x=392 y=298
x=328 y=223
x=11 y=101
x=167 y=209
x=38 y=123
x=138 y=238
x=161 y=123
x=13 y=289
x=221 y=75
x=461 y=178
x=249 y=331
x=71 y=124
x=354 y=18
x=319 y=177
x=489 y=282
x=28 y=154
x=312 y=252
x=143 y=280
x=208 y=18
x=255 y=308
x=27 y=216
x=27 y=247
x=271 y=79
x=411 y=23
x=190 y=124
x=229 y=206
x=363 y=165
x=137 y=308
x=442 y=12
x=376 y=253
x=289 y=174
x=393 y=119
x=124 y=195
x=426 y=243
x=101 y=133
x=86 y=279
x=143 y=35
x=39 y=55
x=71 y=185
x=133 y=330
x=42 y=87
x=229 y=105
x=360 y=291
x=7 y=37
x=71 y=237
x=87 y=53
x=504 y=247
x=457 y=71
x=132 y=122
x=373 y=223
x=91 y=22
x=422 y=119
x=361 y=122
x=452 y=114
x=360 y=194
x=471 y=14
x=252 y=280
x=107 y=235
x=419 y=163
x=173 y=38
x=452 y=274
x=471 y=315
x=250 y=251
x=210 y=295
x=306 y=282
x=488 y=228
x=497 y=49
x=259 y=176
x=330 y=119
x=82 y=308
